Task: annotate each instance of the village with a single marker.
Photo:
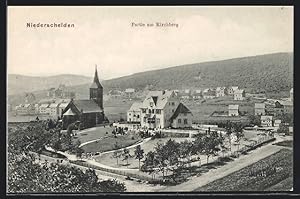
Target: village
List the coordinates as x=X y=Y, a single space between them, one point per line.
x=159 y=118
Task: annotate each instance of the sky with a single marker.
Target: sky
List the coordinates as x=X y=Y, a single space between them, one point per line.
x=104 y=36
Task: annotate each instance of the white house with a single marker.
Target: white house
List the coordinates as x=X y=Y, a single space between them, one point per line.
x=239 y=94
x=162 y=109
x=266 y=120
x=53 y=109
x=134 y=113
x=277 y=123
x=233 y=110
x=44 y=109
x=259 y=109
x=230 y=90
x=220 y=91
x=208 y=93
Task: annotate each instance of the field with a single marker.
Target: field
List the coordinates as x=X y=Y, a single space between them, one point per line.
x=108 y=143
x=133 y=163
x=272 y=173
x=94 y=133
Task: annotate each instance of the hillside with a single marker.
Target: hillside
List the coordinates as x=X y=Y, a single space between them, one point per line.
x=18 y=84
x=270 y=73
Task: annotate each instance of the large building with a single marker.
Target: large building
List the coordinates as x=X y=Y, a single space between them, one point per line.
x=233 y=110
x=134 y=113
x=162 y=109
x=88 y=112
x=239 y=94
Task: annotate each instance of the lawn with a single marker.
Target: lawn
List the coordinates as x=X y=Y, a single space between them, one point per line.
x=93 y=133
x=272 y=173
x=108 y=143
x=286 y=143
x=133 y=163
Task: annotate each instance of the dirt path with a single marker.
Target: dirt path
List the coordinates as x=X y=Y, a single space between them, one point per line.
x=212 y=175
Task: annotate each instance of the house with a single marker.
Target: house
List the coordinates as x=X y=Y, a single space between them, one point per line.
x=292 y=94
x=197 y=95
x=44 y=109
x=277 y=123
x=239 y=94
x=230 y=90
x=291 y=129
x=22 y=109
x=275 y=109
x=160 y=109
x=221 y=91
x=53 y=109
x=288 y=107
x=115 y=93
x=259 y=109
x=266 y=120
x=129 y=92
x=134 y=113
x=208 y=93
x=88 y=112
x=61 y=107
x=233 y=110
x=36 y=108
x=185 y=94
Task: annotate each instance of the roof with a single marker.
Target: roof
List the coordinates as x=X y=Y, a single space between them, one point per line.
x=266 y=117
x=160 y=98
x=54 y=105
x=96 y=82
x=87 y=106
x=220 y=88
x=292 y=90
x=69 y=112
x=277 y=121
x=135 y=106
x=44 y=106
x=26 y=105
x=181 y=108
x=129 y=90
x=63 y=105
x=238 y=91
x=286 y=103
x=234 y=88
x=235 y=106
x=259 y=105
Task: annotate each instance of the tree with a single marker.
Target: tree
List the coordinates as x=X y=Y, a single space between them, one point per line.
x=211 y=144
x=185 y=150
x=255 y=120
x=139 y=154
x=229 y=130
x=238 y=129
x=283 y=129
x=198 y=146
x=126 y=155
x=117 y=154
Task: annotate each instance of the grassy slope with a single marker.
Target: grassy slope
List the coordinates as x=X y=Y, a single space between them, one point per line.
x=243 y=181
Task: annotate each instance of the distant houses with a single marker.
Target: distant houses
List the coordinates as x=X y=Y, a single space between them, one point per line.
x=209 y=93
x=259 y=109
x=230 y=90
x=221 y=91
x=239 y=94
x=61 y=92
x=266 y=120
x=233 y=110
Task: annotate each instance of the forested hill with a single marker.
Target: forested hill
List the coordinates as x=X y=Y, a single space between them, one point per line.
x=270 y=73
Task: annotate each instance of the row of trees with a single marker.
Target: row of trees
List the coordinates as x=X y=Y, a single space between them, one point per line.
x=174 y=156
x=125 y=154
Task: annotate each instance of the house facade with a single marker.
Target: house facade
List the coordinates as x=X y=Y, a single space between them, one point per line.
x=134 y=113
x=209 y=93
x=221 y=91
x=239 y=94
x=44 y=109
x=266 y=120
x=233 y=110
x=230 y=90
x=161 y=108
x=259 y=109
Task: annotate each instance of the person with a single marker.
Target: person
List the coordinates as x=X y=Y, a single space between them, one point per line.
x=37 y=118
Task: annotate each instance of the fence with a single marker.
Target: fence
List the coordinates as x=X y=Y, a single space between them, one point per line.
x=119 y=172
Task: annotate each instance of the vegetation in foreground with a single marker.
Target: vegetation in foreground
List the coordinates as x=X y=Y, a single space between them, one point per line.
x=27 y=175
x=273 y=172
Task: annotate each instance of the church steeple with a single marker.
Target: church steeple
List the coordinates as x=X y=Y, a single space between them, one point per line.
x=96 y=90
x=96 y=82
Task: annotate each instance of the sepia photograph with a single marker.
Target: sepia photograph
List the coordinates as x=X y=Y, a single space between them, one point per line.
x=110 y=99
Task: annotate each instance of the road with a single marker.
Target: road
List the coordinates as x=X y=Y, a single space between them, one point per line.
x=214 y=174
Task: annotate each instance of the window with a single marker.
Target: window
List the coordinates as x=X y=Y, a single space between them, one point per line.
x=152 y=110
x=184 y=114
x=129 y=113
x=158 y=111
x=144 y=110
x=179 y=121
x=151 y=104
x=149 y=111
x=185 y=121
x=138 y=116
x=173 y=103
x=172 y=110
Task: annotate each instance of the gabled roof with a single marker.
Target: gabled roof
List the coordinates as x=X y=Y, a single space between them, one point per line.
x=266 y=117
x=161 y=98
x=233 y=107
x=259 y=105
x=220 y=88
x=181 y=108
x=54 y=105
x=63 y=105
x=86 y=106
x=69 y=112
x=44 y=106
x=238 y=91
x=136 y=106
x=234 y=88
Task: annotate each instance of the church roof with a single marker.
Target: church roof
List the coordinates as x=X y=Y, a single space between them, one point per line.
x=96 y=82
x=181 y=108
x=69 y=112
x=87 y=106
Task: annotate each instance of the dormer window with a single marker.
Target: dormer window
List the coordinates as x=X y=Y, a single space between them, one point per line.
x=151 y=104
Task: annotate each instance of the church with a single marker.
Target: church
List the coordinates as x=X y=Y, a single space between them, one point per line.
x=89 y=112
